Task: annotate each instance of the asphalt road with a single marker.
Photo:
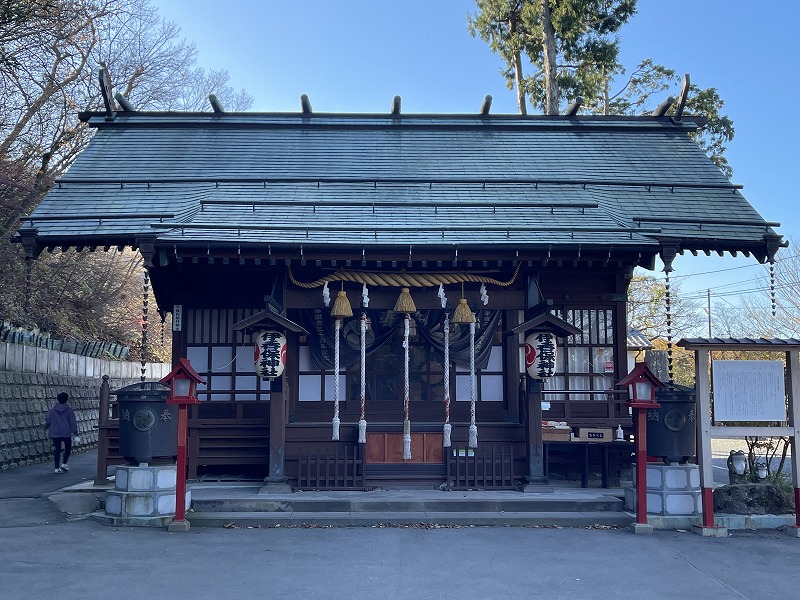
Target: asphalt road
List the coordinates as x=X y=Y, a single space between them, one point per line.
x=84 y=559
x=48 y=555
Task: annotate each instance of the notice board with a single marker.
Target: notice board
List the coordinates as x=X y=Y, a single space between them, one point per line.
x=749 y=390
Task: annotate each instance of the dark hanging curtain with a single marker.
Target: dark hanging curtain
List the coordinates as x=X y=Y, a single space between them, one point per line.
x=320 y=324
x=384 y=323
x=430 y=324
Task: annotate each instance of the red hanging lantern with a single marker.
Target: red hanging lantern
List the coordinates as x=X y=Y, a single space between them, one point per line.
x=269 y=354
x=540 y=354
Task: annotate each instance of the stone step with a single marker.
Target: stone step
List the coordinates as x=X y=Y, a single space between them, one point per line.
x=409 y=518
x=245 y=507
x=541 y=504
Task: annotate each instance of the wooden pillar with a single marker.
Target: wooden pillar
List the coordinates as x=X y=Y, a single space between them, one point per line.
x=535 y=477
x=793 y=376
x=703 y=391
x=511 y=365
x=277 y=435
x=100 y=476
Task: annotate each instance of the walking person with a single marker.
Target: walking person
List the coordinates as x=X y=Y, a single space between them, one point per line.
x=61 y=422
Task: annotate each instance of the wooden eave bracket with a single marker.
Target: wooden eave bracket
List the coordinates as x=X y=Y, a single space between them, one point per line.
x=668 y=253
x=29 y=238
x=147 y=248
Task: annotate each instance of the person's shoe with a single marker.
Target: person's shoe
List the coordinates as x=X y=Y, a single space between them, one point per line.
x=64 y=468
x=58 y=471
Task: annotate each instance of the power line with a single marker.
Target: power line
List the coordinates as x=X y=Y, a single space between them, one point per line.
x=778 y=260
x=739 y=292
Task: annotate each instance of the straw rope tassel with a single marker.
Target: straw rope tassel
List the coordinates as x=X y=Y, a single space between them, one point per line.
x=406 y=421
x=447 y=426
x=335 y=423
x=473 y=429
x=362 y=423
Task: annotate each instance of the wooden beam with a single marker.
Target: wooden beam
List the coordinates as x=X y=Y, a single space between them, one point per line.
x=733 y=433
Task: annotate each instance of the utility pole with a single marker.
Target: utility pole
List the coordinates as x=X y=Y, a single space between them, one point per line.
x=708 y=296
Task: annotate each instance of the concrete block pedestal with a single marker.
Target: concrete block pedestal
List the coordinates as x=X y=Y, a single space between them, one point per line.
x=143 y=496
x=672 y=490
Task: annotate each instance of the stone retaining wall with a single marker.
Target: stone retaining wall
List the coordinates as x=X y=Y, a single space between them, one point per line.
x=30 y=380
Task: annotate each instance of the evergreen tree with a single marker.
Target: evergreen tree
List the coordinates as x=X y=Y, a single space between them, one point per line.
x=570 y=44
x=570 y=48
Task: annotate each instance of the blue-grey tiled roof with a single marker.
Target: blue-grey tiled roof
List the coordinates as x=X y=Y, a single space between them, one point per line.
x=372 y=179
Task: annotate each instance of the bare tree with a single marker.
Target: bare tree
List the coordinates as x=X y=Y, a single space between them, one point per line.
x=646 y=309
x=757 y=310
x=53 y=76
x=50 y=52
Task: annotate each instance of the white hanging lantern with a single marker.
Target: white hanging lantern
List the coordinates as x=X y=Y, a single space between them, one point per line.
x=270 y=354
x=540 y=355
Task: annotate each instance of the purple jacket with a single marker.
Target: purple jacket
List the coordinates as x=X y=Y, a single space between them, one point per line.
x=61 y=421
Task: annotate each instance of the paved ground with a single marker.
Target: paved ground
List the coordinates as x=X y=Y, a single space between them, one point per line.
x=25 y=492
x=46 y=554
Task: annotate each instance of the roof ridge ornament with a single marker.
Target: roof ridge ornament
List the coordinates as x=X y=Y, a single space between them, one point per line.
x=486 y=105
x=105 y=91
x=216 y=105
x=662 y=108
x=684 y=95
x=573 y=108
x=305 y=104
x=124 y=103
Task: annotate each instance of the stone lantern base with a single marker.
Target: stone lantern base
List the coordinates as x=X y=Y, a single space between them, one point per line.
x=143 y=496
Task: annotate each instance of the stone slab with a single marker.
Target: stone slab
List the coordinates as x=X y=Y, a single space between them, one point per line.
x=179 y=526
x=75 y=503
x=642 y=528
x=791 y=530
x=710 y=531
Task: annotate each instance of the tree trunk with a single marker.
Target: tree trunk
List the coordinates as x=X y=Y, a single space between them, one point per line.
x=512 y=27
x=549 y=51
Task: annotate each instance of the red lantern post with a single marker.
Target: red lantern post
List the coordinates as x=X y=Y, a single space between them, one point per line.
x=642 y=386
x=182 y=382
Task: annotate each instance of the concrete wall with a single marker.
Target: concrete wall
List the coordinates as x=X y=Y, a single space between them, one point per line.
x=30 y=379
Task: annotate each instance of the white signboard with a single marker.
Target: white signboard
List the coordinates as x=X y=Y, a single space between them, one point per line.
x=177 y=317
x=749 y=390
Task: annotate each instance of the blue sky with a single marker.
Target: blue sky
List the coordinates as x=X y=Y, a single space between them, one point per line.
x=355 y=55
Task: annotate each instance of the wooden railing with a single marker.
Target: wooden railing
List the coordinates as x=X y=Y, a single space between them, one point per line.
x=484 y=467
x=332 y=467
